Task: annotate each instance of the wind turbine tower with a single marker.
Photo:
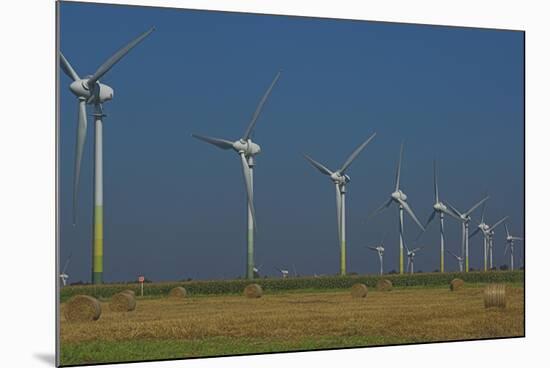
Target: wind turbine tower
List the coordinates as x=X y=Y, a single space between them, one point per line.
x=411 y=253
x=459 y=259
x=247 y=150
x=340 y=179
x=63 y=276
x=488 y=232
x=440 y=208
x=400 y=199
x=465 y=219
x=510 y=244
x=380 y=250
x=89 y=90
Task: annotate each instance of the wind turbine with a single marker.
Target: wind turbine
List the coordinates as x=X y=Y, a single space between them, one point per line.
x=340 y=179
x=380 y=250
x=459 y=259
x=510 y=244
x=483 y=227
x=411 y=253
x=465 y=219
x=488 y=232
x=440 y=208
x=256 y=271
x=491 y=232
x=89 y=90
x=247 y=150
x=400 y=199
x=284 y=273
x=63 y=276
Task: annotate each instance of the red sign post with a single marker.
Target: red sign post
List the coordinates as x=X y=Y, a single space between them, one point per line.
x=141 y=280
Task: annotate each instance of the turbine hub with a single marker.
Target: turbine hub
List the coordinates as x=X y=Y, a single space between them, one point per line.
x=440 y=207
x=80 y=88
x=399 y=195
x=248 y=147
x=340 y=179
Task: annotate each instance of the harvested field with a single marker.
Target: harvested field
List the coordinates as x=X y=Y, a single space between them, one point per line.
x=224 y=325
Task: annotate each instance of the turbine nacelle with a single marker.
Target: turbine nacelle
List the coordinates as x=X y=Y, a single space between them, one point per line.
x=248 y=147
x=483 y=227
x=81 y=89
x=340 y=179
x=440 y=207
x=399 y=195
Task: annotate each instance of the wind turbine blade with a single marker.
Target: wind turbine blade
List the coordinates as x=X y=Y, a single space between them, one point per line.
x=411 y=213
x=398 y=173
x=221 y=143
x=339 y=211
x=430 y=219
x=457 y=212
x=507 y=232
x=380 y=209
x=373 y=248
x=506 y=247
x=406 y=248
x=476 y=205
x=67 y=68
x=498 y=223
x=250 y=128
x=516 y=238
x=483 y=211
x=436 y=189
x=355 y=153
x=451 y=253
x=472 y=234
x=452 y=214
x=79 y=149
x=318 y=166
x=107 y=65
x=66 y=264
x=248 y=184
x=384 y=238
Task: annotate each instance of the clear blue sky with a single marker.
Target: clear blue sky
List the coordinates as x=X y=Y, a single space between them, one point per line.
x=175 y=207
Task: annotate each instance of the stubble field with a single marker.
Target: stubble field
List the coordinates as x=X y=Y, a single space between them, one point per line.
x=164 y=328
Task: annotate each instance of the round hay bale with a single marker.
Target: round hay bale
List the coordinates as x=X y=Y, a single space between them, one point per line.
x=495 y=296
x=253 y=291
x=456 y=284
x=359 y=290
x=131 y=292
x=383 y=285
x=82 y=308
x=178 y=292
x=122 y=302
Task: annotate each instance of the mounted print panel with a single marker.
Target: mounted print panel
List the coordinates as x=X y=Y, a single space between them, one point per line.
x=234 y=183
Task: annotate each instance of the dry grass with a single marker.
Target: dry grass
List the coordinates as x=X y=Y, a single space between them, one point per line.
x=413 y=315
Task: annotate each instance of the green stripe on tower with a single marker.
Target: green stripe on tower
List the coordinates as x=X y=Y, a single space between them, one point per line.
x=97 y=265
x=250 y=255
x=343 y=258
